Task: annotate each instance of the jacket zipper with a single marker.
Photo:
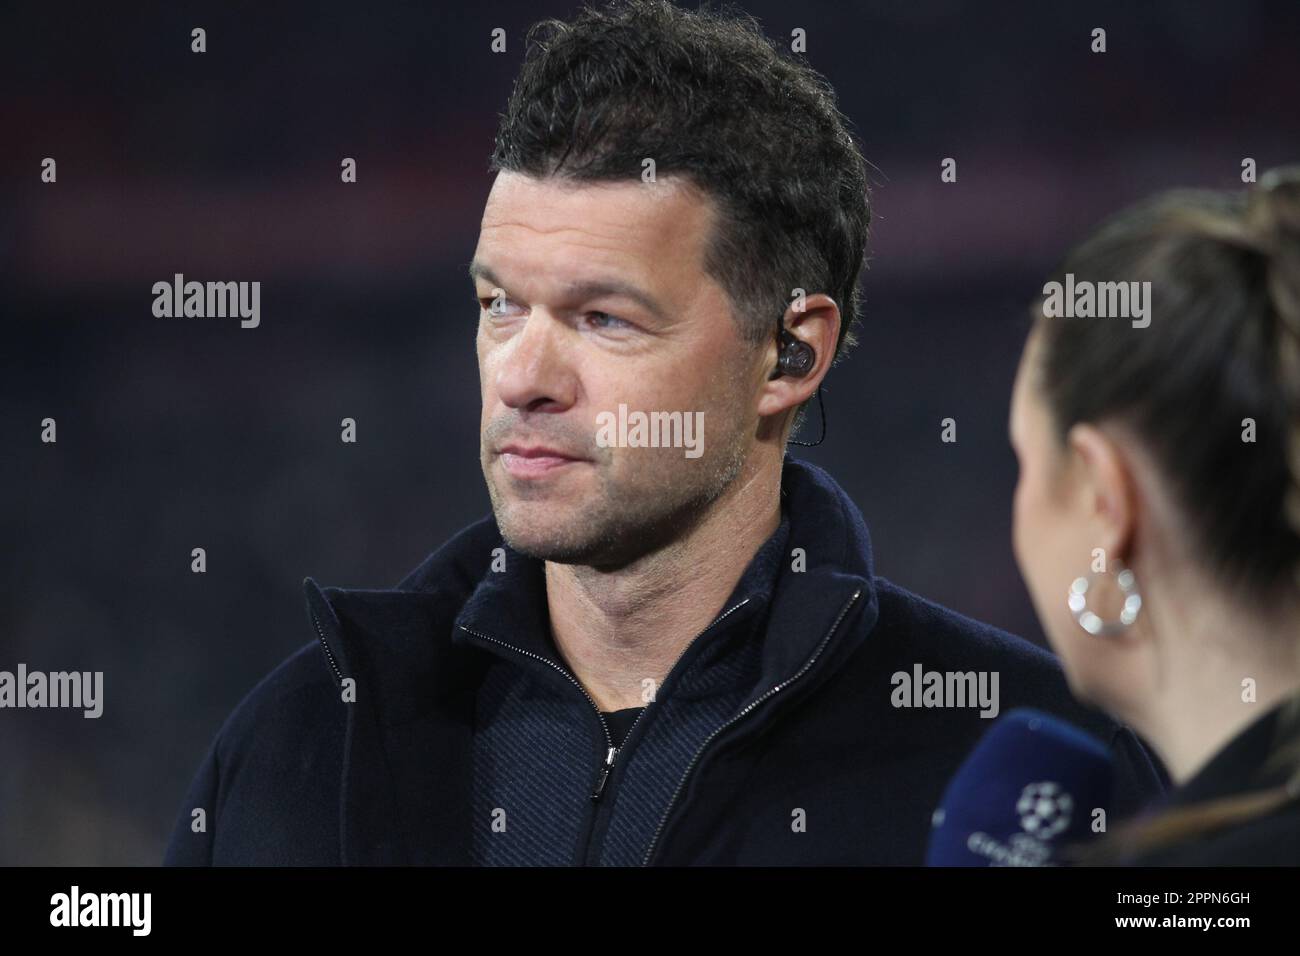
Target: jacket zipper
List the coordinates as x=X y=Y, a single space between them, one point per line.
x=320 y=633
x=654 y=840
x=612 y=752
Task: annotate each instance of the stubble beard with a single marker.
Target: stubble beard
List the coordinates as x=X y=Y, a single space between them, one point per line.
x=623 y=519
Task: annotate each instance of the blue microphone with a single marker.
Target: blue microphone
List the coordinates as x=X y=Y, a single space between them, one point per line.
x=1027 y=789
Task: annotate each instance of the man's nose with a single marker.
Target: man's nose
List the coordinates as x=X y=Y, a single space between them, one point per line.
x=534 y=369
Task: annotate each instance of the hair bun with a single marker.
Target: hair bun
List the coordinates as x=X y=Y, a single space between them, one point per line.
x=1274 y=215
x=1274 y=209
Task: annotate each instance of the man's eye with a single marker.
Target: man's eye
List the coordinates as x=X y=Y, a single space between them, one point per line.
x=603 y=320
x=495 y=306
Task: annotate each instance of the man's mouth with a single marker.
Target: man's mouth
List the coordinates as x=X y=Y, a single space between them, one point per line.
x=535 y=461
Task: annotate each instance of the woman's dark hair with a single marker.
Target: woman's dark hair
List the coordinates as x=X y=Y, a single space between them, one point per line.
x=707 y=96
x=1222 y=346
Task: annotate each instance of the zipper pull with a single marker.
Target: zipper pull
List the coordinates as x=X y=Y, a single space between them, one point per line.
x=604 y=773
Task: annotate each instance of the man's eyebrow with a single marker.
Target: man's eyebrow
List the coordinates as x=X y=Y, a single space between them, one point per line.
x=586 y=289
x=593 y=288
x=477 y=270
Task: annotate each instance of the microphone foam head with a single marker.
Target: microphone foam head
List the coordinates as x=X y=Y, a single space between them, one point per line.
x=1030 y=785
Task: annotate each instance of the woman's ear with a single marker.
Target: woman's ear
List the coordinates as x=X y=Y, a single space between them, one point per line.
x=1107 y=489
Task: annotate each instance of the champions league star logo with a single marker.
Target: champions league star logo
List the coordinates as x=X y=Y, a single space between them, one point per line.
x=1044 y=811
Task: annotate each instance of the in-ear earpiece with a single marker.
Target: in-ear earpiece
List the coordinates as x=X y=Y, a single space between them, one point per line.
x=796 y=358
x=793 y=356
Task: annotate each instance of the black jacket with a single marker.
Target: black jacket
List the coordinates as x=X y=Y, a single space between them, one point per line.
x=1260 y=758
x=779 y=744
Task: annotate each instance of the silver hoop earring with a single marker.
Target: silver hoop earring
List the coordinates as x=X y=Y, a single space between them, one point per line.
x=1089 y=620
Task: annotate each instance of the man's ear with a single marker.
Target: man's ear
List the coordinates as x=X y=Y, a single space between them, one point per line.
x=1108 y=488
x=814 y=320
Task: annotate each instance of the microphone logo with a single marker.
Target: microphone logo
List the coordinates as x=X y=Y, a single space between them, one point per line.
x=1044 y=809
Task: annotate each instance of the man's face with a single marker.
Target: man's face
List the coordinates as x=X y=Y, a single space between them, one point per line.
x=594 y=296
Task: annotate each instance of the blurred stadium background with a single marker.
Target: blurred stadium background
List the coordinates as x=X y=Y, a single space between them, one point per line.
x=182 y=433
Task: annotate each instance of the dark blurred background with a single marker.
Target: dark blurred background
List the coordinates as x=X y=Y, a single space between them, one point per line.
x=175 y=434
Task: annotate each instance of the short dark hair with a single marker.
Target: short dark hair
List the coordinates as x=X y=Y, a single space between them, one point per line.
x=705 y=95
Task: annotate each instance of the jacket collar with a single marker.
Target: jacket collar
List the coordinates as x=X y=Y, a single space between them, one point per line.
x=408 y=745
x=399 y=643
x=1248 y=761
x=508 y=614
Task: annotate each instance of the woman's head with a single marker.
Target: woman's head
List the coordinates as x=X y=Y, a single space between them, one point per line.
x=1165 y=440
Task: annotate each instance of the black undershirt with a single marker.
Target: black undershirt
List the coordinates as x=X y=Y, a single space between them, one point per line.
x=620 y=722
